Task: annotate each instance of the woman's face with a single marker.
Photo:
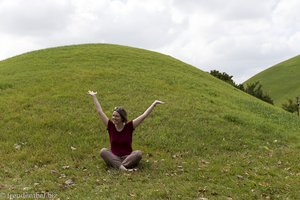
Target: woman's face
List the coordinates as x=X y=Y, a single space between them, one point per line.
x=116 y=118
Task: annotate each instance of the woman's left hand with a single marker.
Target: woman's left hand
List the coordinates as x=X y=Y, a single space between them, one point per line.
x=92 y=93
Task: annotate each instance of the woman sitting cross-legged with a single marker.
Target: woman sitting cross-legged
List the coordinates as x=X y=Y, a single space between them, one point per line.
x=120 y=155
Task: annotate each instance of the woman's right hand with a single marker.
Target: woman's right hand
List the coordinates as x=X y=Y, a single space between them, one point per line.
x=158 y=102
x=92 y=93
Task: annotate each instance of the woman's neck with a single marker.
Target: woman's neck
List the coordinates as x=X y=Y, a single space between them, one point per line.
x=119 y=126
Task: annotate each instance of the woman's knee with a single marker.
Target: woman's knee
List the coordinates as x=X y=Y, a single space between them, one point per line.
x=103 y=151
x=139 y=154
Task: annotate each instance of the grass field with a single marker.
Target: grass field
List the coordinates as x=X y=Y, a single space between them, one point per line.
x=209 y=140
x=282 y=81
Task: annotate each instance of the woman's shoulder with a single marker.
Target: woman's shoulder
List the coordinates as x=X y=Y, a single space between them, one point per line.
x=130 y=124
x=109 y=124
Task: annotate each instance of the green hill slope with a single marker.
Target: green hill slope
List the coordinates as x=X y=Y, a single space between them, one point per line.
x=209 y=139
x=281 y=81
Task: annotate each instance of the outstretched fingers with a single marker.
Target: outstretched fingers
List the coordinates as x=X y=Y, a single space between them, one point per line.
x=92 y=93
x=158 y=102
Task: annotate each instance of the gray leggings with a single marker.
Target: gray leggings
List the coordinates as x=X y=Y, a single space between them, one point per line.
x=129 y=161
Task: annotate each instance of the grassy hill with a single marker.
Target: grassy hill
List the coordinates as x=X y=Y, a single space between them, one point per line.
x=209 y=140
x=282 y=81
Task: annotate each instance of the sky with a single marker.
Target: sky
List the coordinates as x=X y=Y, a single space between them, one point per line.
x=239 y=37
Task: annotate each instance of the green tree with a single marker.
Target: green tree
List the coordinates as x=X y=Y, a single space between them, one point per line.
x=255 y=89
x=290 y=106
x=223 y=76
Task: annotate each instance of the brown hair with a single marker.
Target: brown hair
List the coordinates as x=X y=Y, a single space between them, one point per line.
x=122 y=113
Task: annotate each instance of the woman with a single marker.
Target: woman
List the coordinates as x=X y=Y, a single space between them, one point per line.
x=120 y=154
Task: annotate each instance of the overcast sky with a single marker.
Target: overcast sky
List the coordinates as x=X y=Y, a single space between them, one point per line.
x=239 y=37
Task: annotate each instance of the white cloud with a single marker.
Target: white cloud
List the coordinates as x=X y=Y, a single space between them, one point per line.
x=238 y=37
x=147 y=24
x=33 y=17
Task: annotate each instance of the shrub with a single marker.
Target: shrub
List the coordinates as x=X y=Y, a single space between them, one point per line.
x=223 y=76
x=290 y=106
x=254 y=89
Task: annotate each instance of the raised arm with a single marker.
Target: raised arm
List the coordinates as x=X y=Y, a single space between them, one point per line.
x=102 y=115
x=141 y=118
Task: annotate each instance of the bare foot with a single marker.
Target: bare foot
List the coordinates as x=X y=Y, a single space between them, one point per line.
x=122 y=168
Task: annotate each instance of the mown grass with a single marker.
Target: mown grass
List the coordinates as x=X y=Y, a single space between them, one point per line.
x=209 y=140
x=281 y=81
